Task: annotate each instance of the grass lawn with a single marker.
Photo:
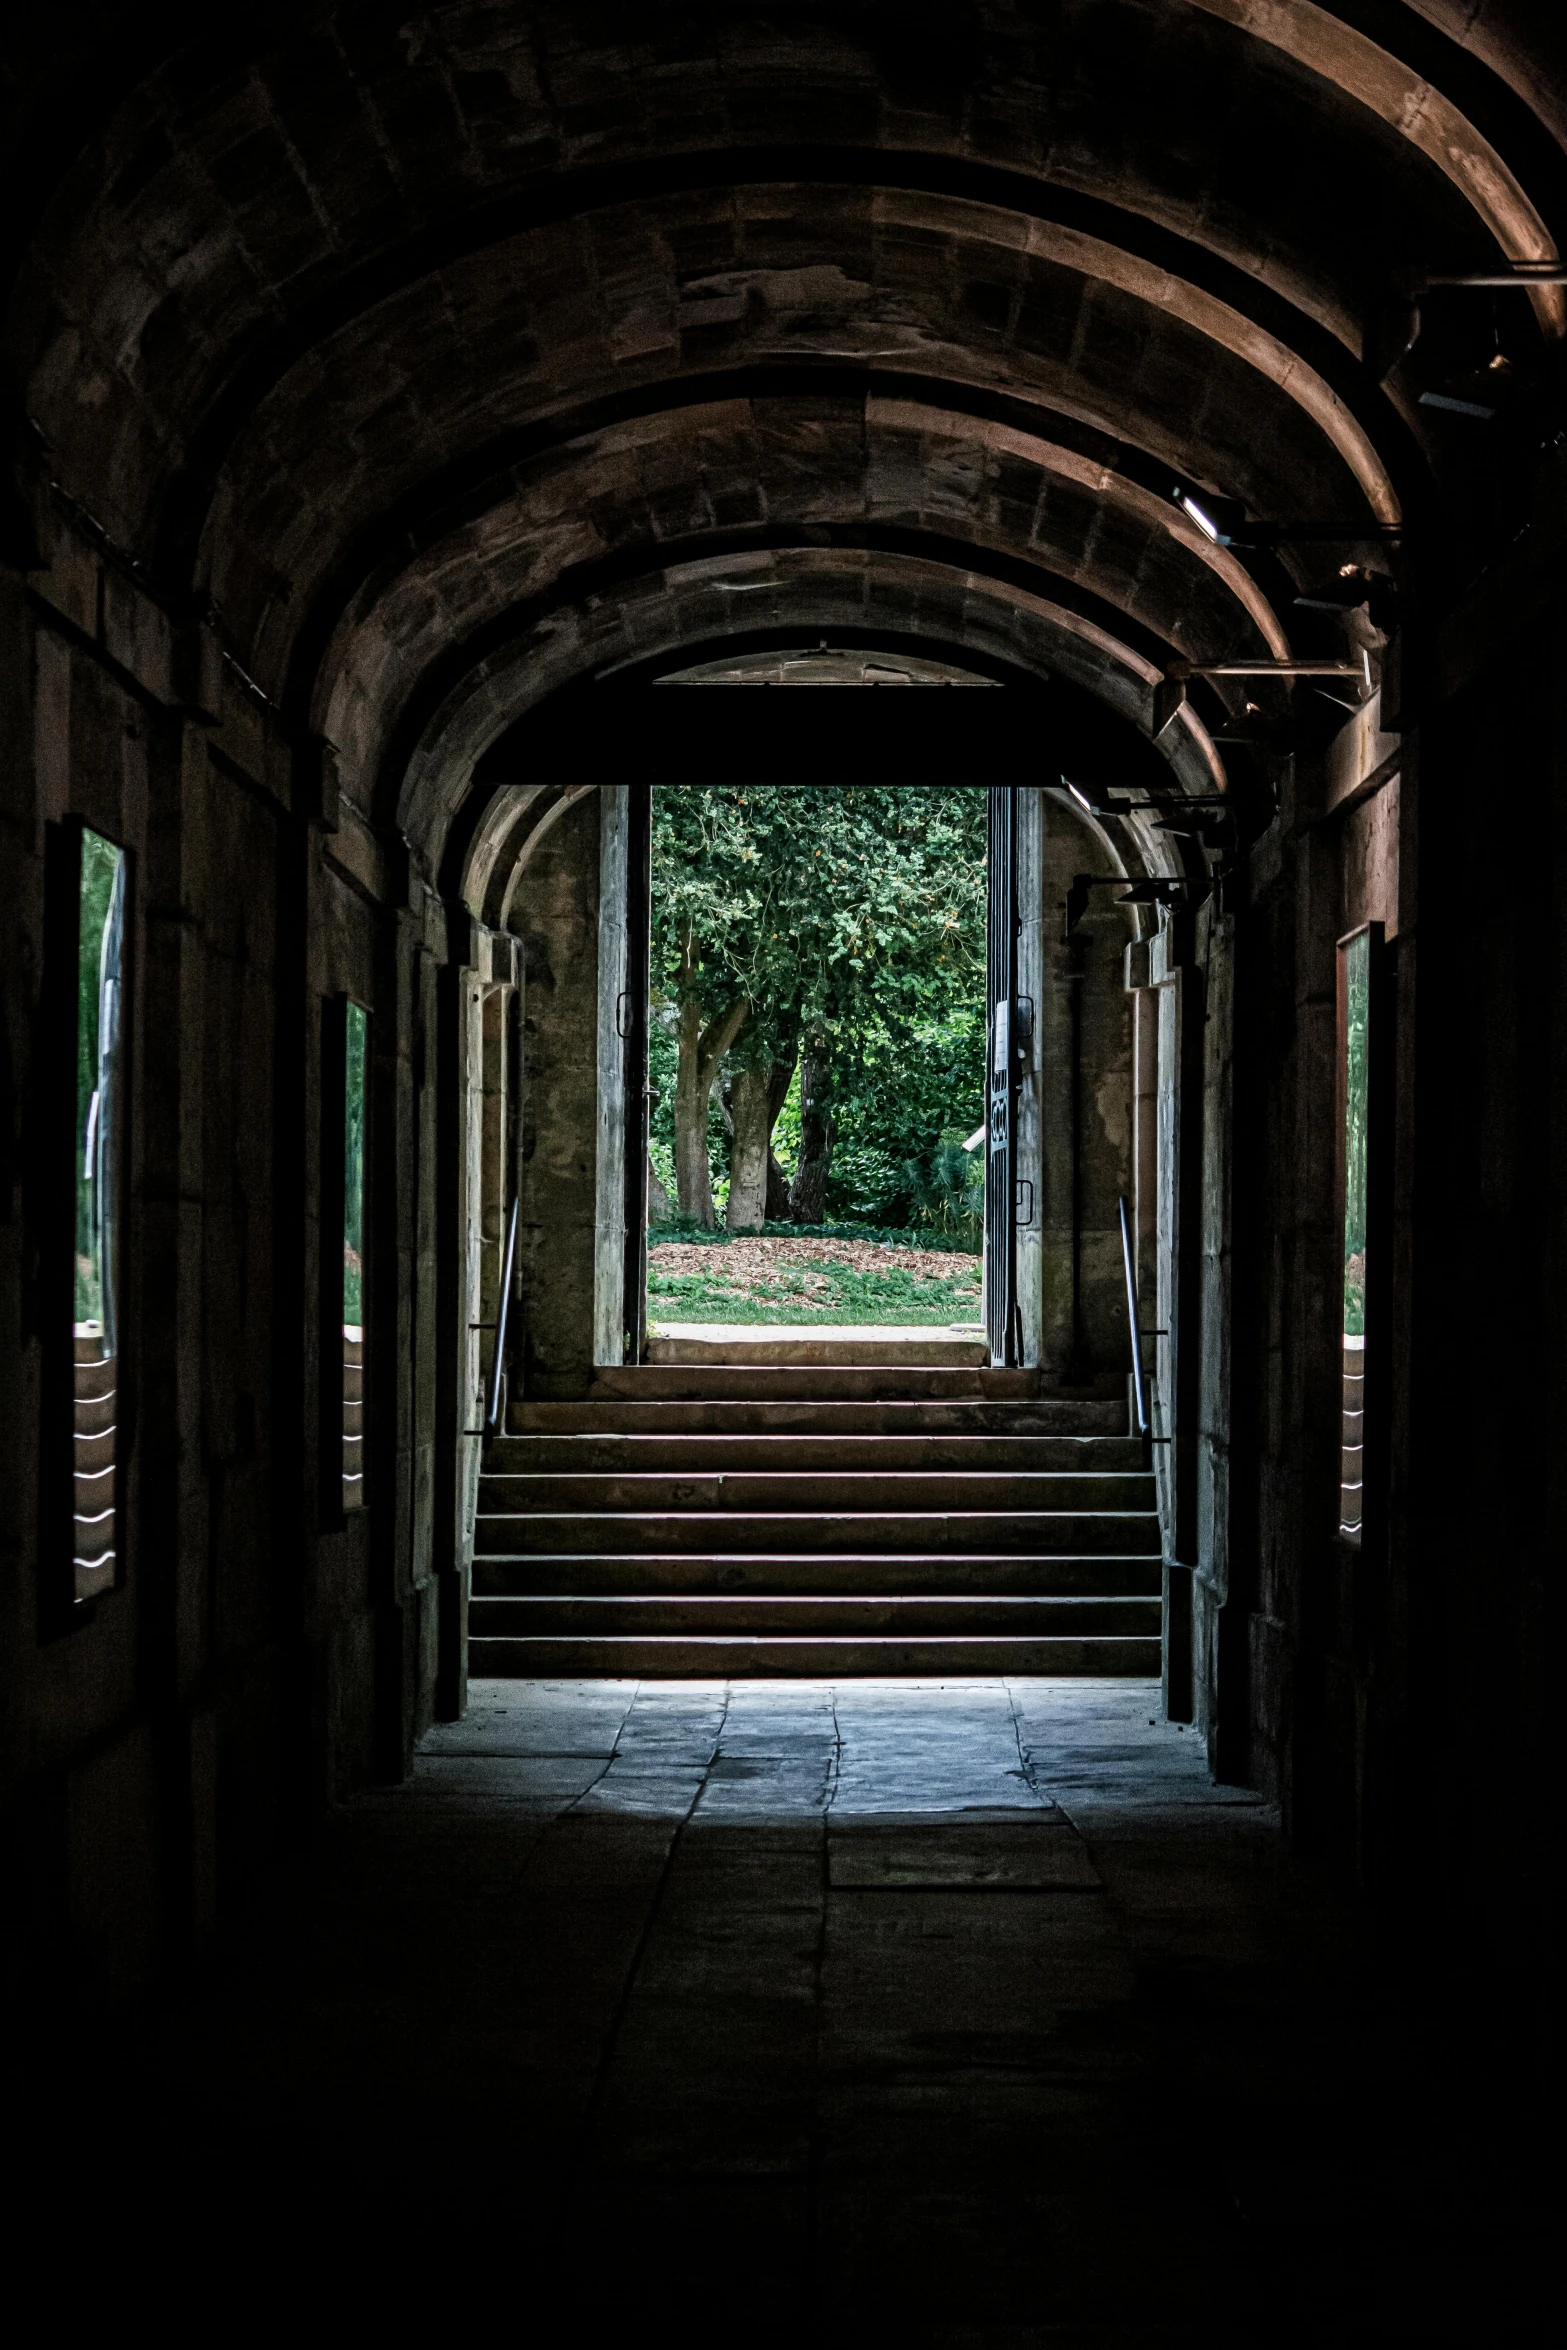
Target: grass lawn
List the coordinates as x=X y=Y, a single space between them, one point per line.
x=793 y=1283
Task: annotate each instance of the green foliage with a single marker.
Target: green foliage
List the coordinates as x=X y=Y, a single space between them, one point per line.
x=948 y=1194
x=100 y=865
x=897 y=1106
x=840 y=912
x=852 y=919
x=1356 y=1099
x=354 y=1165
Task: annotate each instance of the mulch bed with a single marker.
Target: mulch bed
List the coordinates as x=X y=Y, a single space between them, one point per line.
x=748 y=1263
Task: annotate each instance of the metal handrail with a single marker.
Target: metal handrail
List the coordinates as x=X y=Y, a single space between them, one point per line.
x=1140 y=1384
x=497 y=1368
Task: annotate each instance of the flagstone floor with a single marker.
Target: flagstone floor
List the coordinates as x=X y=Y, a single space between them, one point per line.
x=954 y=2013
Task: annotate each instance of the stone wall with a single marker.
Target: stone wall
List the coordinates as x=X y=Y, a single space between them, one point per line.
x=1362 y=1683
x=262 y=1653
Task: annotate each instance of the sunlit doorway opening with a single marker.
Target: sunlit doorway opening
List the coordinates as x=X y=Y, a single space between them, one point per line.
x=817 y=1061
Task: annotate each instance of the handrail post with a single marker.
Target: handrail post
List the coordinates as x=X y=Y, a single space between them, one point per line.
x=498 y=1367
x=1139 y=1385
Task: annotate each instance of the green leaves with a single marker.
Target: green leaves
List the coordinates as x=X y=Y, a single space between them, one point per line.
x=851 y=918
x=843 y=912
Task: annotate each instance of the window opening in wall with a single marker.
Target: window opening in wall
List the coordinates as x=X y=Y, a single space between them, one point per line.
x=1354 y=1048
x=100 y=942
x=355 y=1026
x=1009 y=1017
x=494 y=1203
x=817 y=1058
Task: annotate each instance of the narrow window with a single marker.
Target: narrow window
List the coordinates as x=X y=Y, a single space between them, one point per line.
x=345 y=1069
x=354 y=1040
x=95 y=960
x=1355 y=961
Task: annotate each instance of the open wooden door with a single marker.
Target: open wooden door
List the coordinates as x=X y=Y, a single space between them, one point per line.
x=1001 y=1007
x=634 y=1025
x=620 y=1208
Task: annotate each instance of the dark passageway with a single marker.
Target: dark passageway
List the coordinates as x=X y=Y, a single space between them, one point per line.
x=970 y=2011
x=429 y=432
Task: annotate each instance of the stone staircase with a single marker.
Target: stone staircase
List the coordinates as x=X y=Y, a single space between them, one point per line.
x=95 y=1411
x=709 y=1520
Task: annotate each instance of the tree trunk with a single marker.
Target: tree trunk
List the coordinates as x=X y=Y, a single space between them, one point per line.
x=777 y=1191
x=808 y=1192
x=750 y=1100
x=702 y=1053
x=657 y=1196
x=758 y=1186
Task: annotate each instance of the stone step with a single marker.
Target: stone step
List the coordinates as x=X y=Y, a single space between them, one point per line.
x=771 y=1382
x=707 y=1518
x=815 y=1615
x=94 y=1415
x=803 y=1346
x=93 y=1453
x=818 y=1416
x=94 y=1490
x=679 y=1656
x=685 y=1454
x=879 y=1491
x=1041 y=1574
x=1125 y=1532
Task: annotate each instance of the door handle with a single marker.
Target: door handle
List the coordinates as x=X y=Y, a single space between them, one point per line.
x=1023 y=1184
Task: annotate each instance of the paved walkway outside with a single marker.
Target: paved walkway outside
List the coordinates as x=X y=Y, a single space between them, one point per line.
x=884 y=2011
x=748 y=1334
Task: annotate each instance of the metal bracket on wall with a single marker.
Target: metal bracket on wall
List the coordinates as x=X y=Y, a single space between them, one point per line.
x=1393 y=328
x=1162 y=889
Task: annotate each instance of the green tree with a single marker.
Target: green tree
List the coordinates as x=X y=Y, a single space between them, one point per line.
x=818 y=923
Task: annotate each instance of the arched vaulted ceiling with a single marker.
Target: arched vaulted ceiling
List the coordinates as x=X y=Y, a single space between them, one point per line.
x=460 y=353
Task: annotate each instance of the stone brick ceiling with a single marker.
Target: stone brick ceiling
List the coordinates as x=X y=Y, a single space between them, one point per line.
x=459 y=353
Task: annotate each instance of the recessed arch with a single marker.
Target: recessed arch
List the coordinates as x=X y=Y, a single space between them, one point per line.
x=312 y=311
x=424 y=787
x=904 y=478
x=466 y=494
x=1326 y=45
x=1064 y=296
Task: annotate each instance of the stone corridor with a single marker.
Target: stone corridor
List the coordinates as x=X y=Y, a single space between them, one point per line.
x=795 y=2005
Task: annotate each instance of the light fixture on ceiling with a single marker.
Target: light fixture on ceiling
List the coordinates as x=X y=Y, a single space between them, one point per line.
x=1456 y=407
x=1205 y=522
x=1394 y=324
x=1223 y=520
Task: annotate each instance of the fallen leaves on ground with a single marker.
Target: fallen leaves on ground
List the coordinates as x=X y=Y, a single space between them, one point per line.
x=753 y=1267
